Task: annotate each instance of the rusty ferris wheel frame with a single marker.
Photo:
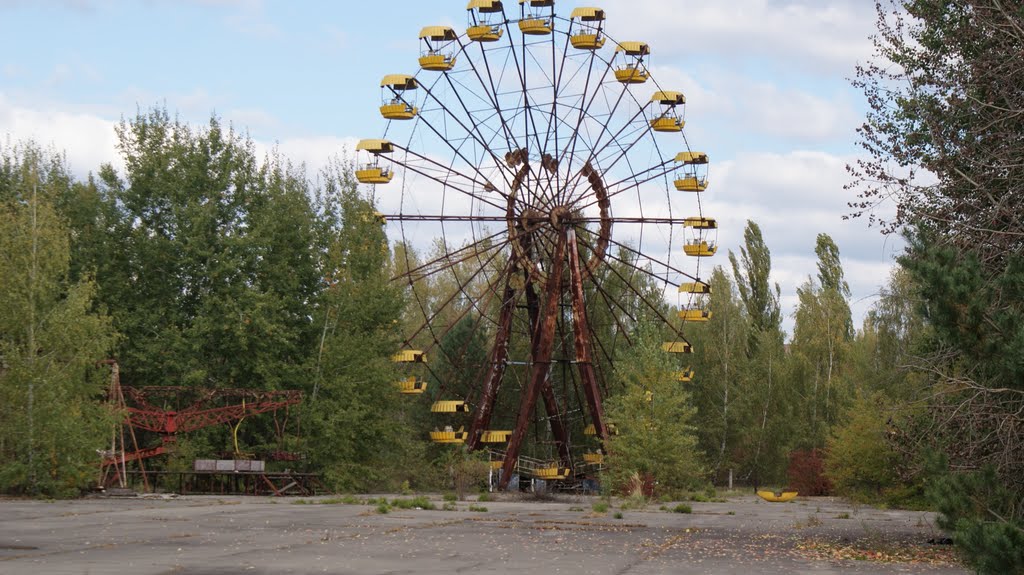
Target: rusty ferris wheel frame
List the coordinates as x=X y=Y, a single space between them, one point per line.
x=522 y=144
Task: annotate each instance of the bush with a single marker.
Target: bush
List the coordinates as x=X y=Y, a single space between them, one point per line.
x=806 y=473
x=420 y=502
x=682 y=508
x=478 y=508
x=600 y=507
x=860 y=462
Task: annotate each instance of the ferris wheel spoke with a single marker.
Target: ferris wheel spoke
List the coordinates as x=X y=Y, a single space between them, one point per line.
x=484 y=184
x=492 y=92
x=635 y=184
x=430 y=268
x=639 y=254
x=584 y=109
x=629 y=286
x=596 y=149
x=431 y=318
x=474 y=131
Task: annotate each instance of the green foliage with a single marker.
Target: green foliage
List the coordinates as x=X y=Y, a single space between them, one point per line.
x=682 y=508
x=478 y=508
x=51 y=421
x=599 y=507
x=653 y=415
x=986 y=518
x=419 y=502
x=859 y=461
x=617 y=515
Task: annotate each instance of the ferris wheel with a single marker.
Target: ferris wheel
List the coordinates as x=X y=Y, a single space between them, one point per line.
x=545 y=200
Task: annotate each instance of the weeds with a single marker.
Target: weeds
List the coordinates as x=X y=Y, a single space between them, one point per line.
x=682 y=508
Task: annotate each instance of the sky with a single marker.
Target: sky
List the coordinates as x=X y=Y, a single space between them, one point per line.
x=767 y=86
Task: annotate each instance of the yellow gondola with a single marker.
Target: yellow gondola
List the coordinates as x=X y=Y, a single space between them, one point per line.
x=685 y=376
x=493 y=436
x=435 y=55
x=534 y=21
x=593 y=458
x=633 y=70
x=695 y=287
x=700 y=249
x=695 y=315
x=449 y=436
x=449 y=406
x=585 y=31
x=677 y=347
x=693 y=176
x=412 y=386
x=551 y=473
x=778 y=496
x=669 y=119
x=372 y=172
x=485 y=20
x=394 y=105
x=410 y=356
x=497 y=464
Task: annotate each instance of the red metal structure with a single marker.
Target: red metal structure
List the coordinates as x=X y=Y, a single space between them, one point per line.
x=194 y=409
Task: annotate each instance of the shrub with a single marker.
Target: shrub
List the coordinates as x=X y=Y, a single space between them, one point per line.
x=600 y=507
x=806 y=473
x=682 y=508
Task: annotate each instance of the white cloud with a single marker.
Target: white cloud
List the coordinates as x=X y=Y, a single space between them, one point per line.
x=88 y=140
x=791 y=32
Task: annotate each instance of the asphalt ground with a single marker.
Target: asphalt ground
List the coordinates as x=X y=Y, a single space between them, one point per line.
x=236 y=535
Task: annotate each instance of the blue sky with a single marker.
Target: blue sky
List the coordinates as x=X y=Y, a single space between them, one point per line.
x=766 y=81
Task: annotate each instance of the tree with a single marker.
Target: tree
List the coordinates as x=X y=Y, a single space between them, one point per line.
x=821 y=335
x=945 y=112
x=860 y=462
x=943 y=130
x=51 y=420
x=765 y=436
x=752 y=270
x=653 y=417
x=722 y=377
x=356 y=426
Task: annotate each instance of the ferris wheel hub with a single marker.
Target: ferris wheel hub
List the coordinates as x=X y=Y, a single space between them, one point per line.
x=560 y=216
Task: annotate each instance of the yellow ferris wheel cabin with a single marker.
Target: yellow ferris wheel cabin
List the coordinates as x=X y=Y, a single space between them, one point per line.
x=669 y=119
x=412 y=386
x=677 y=347
x=633 y=71
x=394 y=105
x=693 y=176
x=534 y=21
x=435 y=40
x=485 y=20
x=372 y=172
x=409 y=356
x=695 y=287
x=695 y=315
x=585 y=28
x=451 y=406
x=685 y=376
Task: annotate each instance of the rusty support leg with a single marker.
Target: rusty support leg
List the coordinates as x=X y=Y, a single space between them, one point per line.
x=541 y=369
x=584 y=355
x=495 y=371
x=546 y=391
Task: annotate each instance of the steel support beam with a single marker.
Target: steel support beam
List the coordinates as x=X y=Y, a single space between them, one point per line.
x=584 y=355
x=541 y=369
x=496 y=369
